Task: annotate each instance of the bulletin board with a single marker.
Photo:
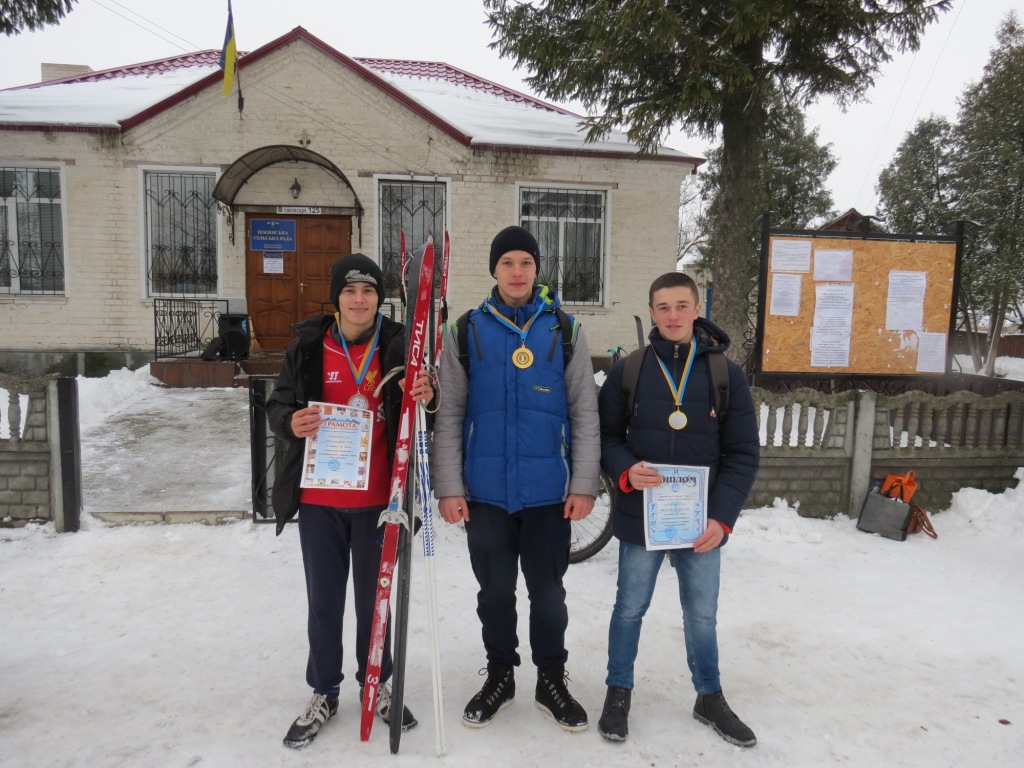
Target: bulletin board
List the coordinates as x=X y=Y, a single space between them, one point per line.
x=878 y=305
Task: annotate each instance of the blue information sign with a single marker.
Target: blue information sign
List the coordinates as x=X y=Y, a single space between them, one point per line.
x=272 y=235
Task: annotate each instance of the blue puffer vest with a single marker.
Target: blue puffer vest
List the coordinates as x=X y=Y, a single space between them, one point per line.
x=516 y=437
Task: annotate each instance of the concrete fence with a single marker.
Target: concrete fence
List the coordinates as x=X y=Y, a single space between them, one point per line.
x=40 y=455
x=825 y=451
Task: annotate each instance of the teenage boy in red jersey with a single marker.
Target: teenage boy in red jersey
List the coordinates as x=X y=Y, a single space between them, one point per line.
x=340 y=358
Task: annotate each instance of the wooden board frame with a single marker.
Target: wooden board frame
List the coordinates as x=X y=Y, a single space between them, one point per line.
x=783 y=343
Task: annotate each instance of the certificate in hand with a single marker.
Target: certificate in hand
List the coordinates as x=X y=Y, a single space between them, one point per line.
x=338 y=455
x=676 y=512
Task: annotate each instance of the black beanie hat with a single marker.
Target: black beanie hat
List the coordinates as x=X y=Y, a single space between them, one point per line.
x=356 y=268
x=514 y=239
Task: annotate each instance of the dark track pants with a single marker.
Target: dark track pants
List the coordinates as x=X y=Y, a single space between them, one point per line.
x=499 y=543
x=335 y=542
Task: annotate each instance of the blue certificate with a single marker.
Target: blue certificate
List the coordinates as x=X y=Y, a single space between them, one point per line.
x=338 y=455
x=676 y=512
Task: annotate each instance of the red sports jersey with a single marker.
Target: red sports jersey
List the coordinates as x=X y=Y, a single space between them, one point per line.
x=340 y=387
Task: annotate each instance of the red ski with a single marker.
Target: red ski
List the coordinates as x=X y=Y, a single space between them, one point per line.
x=394 y=516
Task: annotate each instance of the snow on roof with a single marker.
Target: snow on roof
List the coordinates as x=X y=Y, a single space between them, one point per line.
x=487 y=113
x=88 y=102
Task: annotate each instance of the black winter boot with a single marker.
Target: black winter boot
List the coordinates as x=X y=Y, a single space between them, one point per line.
x=554 y=698
x=712 y=709
x=498 y=691
x=614 y=722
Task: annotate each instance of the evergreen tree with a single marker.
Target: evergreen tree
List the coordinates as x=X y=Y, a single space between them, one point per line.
x=990 y=174
x=792 y=180
x=19 y=15
x=918 y=189
x=651 y=65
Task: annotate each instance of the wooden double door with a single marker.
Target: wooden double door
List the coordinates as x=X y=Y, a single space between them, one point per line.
x=279 y=294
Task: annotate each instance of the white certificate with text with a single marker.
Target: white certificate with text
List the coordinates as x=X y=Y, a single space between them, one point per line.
x=676 y=512
x=338 y=455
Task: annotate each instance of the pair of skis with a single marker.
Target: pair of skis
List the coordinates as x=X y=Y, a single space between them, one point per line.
x=397 y=524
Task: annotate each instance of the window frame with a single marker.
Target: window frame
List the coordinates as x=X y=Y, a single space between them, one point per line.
x=605 y=239
x=440 y=181
x=10 y=208
x=145 y=231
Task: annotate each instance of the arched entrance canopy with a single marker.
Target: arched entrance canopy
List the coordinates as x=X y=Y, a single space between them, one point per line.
x=251 y=163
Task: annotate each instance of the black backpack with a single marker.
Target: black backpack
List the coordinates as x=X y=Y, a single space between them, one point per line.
x=566 y=323
x=719 y=380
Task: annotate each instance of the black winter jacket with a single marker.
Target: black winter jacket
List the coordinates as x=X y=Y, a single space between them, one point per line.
x=301 y=380
x=729 y=446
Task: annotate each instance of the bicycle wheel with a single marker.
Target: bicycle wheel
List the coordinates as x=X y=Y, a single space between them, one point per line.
x=590 y=534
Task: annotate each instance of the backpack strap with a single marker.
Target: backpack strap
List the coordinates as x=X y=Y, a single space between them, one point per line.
x=569 y=327
x=462 y=334
x=717 y=364
x=720 y=382
x=630 y=378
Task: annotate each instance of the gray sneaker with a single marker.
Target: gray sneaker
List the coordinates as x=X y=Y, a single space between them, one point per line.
x=712 y=709
x=320 y=709
x=384 y=707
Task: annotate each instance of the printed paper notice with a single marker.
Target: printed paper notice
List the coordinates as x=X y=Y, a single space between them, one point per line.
x=833 y=325
x=904 y=308
x=791 y=256
x=785 y=299
x=833 y=265
x=676 y=512
x=273 y=263
x=931 y=352
x=338 y=455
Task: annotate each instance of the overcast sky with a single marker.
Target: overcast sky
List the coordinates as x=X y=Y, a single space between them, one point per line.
x=112 y=33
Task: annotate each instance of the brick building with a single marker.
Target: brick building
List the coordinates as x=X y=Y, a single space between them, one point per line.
x=147 y=181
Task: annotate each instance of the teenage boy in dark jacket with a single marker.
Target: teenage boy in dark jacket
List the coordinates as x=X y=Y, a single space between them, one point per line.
x=341 y=359
x=673 y=421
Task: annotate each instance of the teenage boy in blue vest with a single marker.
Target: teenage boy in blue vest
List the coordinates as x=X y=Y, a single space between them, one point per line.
x=673 y=421
x=340 y=358
x=516 y=458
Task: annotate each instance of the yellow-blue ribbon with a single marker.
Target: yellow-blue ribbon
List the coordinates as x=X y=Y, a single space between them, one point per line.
x=509 y=324
x=677 y=390
x=364 y=366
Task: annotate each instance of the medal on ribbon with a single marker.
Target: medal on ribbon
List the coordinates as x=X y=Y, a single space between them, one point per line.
x=522 y=357
x=677 y=419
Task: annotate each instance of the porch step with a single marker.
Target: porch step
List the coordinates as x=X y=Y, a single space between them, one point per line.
x=194 y=372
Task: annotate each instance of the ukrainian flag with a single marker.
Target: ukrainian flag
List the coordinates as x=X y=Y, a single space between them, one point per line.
x=229 y=54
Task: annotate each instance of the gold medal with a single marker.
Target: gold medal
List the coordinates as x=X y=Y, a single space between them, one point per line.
x=522 y=358
x=677 y=420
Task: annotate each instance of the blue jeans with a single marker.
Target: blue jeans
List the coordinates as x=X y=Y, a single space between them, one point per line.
x=698 y=574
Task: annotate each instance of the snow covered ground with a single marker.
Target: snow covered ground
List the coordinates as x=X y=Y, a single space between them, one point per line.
x=184 y=645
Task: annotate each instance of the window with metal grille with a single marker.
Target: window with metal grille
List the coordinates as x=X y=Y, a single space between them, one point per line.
x=570 y=226
x=181 y=231
x=416 y=208
x=31 y=231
